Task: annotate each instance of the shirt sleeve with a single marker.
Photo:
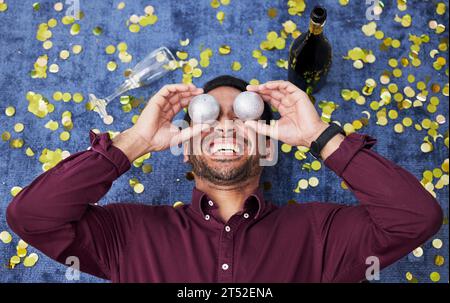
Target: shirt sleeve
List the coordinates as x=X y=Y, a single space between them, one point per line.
x=395 y=213
x=56 y=212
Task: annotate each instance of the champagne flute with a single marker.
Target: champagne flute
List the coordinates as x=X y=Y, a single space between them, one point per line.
x=152 y=67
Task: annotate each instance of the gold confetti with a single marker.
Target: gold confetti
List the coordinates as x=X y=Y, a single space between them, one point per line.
x=224 y=50
x=437 y=243
x=236 y=66
x=296 y=7
x=435 y=276
x=30 y=260
x=418 y=252
x=439 y=260
x=178 y=204
x=138 y=188
x=5 y=237
x=272 y=12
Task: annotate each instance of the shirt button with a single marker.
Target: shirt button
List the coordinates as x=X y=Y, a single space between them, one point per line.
x=246 y=215
x=227 y=228
x=225 y=266
x=207 y=217
x=211 y=203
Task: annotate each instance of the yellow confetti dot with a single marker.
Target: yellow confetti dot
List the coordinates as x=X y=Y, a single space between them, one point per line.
x=5 y=237
x=10 y=111
x=14 y=260
x=439 y=260
x=426 y=147
x=437 y=243
x=111 y=66
x=134 y=28
x=64 y=54
x=29 y=152
x=358 y=64
x=3 y=6
x=122 y=47
x=435 y=276
x=236 y=66
x=6 y=136
x=407 y=121
x=220 y=16
x=224 y=50
x=64 y=136
x=398 y=128
x=441 y=8
x=66 y=97
x=30 y=260
x=418 y=252
x=53 y=68
x=77 y=97
x=316 y=165
x=313 y=181
x=76 y=49
x=302 y=184
x=286 y=148
x=19 y=127
x=177 y=204
x=22 y=244
x=138 y=188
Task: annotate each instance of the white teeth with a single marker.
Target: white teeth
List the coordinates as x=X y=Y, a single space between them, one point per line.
x=225 y=147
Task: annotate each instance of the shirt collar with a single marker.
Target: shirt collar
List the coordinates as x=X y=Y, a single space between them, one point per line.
x=254 y=204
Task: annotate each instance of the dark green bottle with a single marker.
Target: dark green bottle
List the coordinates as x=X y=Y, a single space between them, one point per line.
x=310 y=55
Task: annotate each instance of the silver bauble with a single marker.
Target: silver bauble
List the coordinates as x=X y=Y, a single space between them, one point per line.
x=204 y=108
x=248 y=106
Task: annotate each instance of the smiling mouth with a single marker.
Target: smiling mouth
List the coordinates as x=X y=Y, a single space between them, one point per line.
x=224 y=149
x=227 y=148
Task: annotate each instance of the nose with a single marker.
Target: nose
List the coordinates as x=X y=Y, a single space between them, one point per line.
x=225 y=128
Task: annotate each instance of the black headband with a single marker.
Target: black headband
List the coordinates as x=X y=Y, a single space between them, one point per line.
x=225 y=80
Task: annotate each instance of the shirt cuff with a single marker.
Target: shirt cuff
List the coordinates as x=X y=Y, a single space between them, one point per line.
x=348 y=148
x=102 y=144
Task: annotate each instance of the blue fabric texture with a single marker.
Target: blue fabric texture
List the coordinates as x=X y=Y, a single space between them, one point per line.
x=177 y=20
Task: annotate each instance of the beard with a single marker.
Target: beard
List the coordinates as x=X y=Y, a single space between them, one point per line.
x=225 y=175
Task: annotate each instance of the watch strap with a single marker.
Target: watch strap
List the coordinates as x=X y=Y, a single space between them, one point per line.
x=318 y=144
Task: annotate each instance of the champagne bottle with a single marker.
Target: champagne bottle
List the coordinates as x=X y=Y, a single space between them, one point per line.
x=310 y=55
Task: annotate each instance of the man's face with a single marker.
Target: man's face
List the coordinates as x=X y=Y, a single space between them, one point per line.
x=225 y=155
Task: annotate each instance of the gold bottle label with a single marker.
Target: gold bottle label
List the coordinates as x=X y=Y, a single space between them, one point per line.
x=315 y=28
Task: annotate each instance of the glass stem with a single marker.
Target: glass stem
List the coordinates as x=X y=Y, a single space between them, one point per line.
x=125 y=86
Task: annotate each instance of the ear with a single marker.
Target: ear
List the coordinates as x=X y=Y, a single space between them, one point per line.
x=186 y=151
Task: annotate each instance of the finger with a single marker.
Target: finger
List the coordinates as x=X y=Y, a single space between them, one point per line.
x=274 y=94
x=252 y=87
x=280 y=92
x=176 y=97
x=169 y=90
x=264 y=129
x=179 y=100
x=285 y=87
x=190 y=132
x=277 y=84
x=272 y=101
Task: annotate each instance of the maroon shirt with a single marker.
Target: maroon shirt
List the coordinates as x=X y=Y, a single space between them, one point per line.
x=306 y=242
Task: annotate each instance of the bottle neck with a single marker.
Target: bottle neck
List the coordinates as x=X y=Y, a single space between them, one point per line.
x=316 y=28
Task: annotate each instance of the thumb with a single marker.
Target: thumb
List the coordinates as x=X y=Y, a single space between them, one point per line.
x=189 y=132
x=264 y=129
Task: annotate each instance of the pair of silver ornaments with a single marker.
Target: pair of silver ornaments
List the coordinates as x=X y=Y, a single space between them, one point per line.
x=204 y=108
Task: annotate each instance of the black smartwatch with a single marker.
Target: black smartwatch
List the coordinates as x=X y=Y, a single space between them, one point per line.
x=316 y=146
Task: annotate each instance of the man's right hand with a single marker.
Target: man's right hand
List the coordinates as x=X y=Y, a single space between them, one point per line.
x=154 y=130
